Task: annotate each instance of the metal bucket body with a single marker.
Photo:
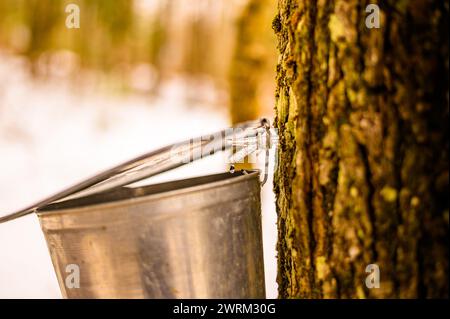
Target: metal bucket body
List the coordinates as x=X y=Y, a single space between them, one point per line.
x=194 y=238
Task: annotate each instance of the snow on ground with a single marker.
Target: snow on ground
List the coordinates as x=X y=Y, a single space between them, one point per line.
x=53 y=135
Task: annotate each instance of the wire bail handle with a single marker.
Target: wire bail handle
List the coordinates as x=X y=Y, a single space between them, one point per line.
x=252 y=136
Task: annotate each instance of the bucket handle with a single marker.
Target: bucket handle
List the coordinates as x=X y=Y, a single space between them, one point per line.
x=162 y=160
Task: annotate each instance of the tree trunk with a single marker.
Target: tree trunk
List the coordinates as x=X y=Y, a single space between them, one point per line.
x=362 y=174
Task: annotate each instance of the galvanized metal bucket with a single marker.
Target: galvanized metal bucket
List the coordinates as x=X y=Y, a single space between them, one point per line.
x=191 y=238
x=195 y=238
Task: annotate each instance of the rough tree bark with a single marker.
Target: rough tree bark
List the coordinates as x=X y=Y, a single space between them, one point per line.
x=362 y=173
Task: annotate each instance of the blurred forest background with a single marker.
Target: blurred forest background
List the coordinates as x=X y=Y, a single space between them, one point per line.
x=137 y=45
x=136 y=75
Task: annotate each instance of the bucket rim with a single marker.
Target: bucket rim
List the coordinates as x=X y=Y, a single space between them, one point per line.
x=60 y=207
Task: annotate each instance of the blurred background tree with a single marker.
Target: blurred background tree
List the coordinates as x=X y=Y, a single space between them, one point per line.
x=252 y=69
